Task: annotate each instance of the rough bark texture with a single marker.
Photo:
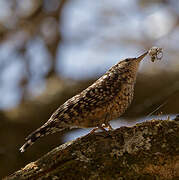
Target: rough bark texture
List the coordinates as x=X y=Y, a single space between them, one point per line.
x=148 y=150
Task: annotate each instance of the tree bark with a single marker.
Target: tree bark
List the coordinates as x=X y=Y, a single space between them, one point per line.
x=148 y=150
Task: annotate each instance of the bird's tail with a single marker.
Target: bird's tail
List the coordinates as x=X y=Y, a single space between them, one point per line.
x=42 y=131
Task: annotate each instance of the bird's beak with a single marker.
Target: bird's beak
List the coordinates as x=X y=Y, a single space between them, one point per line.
x=142 y=56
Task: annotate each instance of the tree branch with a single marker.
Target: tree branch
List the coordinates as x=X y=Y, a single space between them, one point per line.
x=146 y=150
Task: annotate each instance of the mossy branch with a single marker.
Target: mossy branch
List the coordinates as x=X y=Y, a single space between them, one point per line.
x=148 y=150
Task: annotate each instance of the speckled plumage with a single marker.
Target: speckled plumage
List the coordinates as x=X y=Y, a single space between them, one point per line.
x=104 y=100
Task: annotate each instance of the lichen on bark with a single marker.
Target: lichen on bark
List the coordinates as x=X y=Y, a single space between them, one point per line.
x=148 y=150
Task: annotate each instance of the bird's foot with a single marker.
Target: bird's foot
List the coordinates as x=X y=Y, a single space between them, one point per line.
x=102 y=127
x=108 y=126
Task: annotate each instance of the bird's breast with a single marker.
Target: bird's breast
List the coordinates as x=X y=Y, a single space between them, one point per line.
x=121 y=101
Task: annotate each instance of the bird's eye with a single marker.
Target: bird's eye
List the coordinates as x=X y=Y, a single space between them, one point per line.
x=127 y=60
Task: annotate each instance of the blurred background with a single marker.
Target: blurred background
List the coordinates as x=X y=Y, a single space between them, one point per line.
x=51 y=50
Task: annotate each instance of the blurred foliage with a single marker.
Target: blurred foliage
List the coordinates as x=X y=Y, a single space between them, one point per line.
x=50 y=50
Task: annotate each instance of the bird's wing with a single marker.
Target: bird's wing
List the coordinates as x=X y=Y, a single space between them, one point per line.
x=95 y=96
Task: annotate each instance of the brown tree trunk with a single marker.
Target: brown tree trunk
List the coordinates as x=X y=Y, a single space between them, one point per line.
x=149 y=150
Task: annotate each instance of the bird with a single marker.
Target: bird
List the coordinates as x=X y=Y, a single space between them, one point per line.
x=106 y=99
